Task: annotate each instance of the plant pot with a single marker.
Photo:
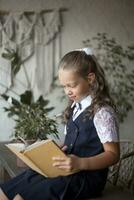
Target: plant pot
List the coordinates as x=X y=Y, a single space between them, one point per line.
x=30 y=141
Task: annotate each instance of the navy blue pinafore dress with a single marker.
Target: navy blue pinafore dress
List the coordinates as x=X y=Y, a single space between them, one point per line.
x=82 y=140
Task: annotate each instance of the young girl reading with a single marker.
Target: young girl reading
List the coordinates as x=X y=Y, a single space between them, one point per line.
x=91 y=142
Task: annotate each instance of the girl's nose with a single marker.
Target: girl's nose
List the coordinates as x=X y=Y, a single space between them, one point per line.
x=68 y=92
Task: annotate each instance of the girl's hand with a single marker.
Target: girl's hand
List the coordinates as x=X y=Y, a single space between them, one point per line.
x=70 y=163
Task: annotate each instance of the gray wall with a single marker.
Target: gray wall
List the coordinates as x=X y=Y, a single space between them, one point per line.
x=82 y=20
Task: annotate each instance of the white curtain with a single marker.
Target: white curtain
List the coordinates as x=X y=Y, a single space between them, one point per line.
x=39 y=35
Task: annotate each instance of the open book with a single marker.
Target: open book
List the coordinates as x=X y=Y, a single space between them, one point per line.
x=38 y=156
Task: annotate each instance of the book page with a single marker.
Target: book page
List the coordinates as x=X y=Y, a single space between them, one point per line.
x=36 y=144
x=20 y=146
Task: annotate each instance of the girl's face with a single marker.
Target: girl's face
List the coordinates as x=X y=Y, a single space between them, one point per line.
x=75 y=86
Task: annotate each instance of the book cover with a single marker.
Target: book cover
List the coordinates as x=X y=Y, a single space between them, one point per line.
x=38 y=156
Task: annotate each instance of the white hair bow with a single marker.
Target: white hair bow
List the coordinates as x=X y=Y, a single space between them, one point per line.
x=87 y=50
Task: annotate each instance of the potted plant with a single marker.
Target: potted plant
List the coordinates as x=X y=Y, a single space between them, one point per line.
x=32 y=121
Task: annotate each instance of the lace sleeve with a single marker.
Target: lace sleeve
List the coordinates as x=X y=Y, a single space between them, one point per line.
x=106 y=125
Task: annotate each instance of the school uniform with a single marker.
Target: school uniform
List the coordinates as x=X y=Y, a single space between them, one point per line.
x=82 y=140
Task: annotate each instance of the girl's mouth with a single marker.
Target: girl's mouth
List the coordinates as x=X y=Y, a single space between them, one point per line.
x=72 y=97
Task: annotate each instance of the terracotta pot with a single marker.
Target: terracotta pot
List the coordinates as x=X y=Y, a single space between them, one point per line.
x=30 y=141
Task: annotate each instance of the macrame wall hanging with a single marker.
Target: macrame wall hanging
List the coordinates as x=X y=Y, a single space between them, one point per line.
x=24 y=34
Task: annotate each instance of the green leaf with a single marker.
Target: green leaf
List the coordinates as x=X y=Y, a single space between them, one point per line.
x=42 y=101
x=5 y=96
x=26 y=97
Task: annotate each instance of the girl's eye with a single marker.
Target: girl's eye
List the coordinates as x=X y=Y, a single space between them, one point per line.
x=73 y=86
x=70 y=86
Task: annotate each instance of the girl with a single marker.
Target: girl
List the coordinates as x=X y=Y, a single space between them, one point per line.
x=91 y=140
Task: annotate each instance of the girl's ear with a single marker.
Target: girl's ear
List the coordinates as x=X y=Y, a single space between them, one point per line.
x=91 y=78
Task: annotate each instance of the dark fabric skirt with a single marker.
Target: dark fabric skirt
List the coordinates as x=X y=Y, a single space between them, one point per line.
x=33 y=186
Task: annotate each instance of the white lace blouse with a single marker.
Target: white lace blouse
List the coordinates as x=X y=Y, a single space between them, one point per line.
x=106 y=125
x=105 y=121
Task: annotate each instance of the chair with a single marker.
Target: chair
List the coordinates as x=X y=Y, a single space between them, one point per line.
x=122 y=174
